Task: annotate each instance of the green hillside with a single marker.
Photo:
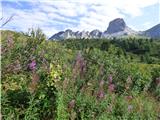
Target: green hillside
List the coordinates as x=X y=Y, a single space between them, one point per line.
x=84 y=79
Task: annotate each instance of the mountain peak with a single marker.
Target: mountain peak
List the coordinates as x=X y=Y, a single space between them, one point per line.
x=68 y=30
x=116 y=25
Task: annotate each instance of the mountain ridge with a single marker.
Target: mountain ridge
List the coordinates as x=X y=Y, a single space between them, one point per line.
x=116 y=28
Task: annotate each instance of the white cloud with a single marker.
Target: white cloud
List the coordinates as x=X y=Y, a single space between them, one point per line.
x=84 y=14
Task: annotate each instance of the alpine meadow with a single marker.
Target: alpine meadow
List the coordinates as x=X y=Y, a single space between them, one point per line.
x=78 y=72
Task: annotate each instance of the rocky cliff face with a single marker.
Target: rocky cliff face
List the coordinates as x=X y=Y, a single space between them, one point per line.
x=116 y=28
x=116 y=25
x=95 y=34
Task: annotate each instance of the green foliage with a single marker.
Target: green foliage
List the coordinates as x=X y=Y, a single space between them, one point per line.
x=61 y=107
x=79 y=79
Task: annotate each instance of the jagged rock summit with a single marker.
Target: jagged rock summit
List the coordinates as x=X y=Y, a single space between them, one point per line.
x=116 y=25
x=116 y=28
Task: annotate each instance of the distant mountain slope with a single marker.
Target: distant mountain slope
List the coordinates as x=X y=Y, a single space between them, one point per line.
x=153 y=32
x=116 y=28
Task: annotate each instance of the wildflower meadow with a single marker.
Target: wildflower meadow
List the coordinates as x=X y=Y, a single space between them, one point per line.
x=105 y=79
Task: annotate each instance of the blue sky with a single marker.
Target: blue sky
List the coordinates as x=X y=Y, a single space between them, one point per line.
x=55 y=15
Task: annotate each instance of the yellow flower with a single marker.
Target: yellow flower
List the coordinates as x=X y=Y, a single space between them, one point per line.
x=55 y=74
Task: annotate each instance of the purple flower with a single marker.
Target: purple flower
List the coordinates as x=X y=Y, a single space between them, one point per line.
x=129 y=97
x=111 y=87
x=100 y=94
x=110 y=78
x=71 y=105
x=33 y=49
x=32 y=65
x=80 y=66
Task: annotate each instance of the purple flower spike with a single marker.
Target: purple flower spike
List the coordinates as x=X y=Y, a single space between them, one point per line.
x=111 y=87
x=32 y=65
x=101 y=94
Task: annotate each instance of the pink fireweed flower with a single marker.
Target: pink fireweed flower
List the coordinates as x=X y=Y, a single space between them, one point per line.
x=33 y=49
x=71 y=105
x=100 y=94
x=129 y=98
x=111 y=87
x=79 y=66
x=32 y=65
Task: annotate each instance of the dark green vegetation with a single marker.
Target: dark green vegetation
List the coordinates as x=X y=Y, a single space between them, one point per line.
x=115 y=79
